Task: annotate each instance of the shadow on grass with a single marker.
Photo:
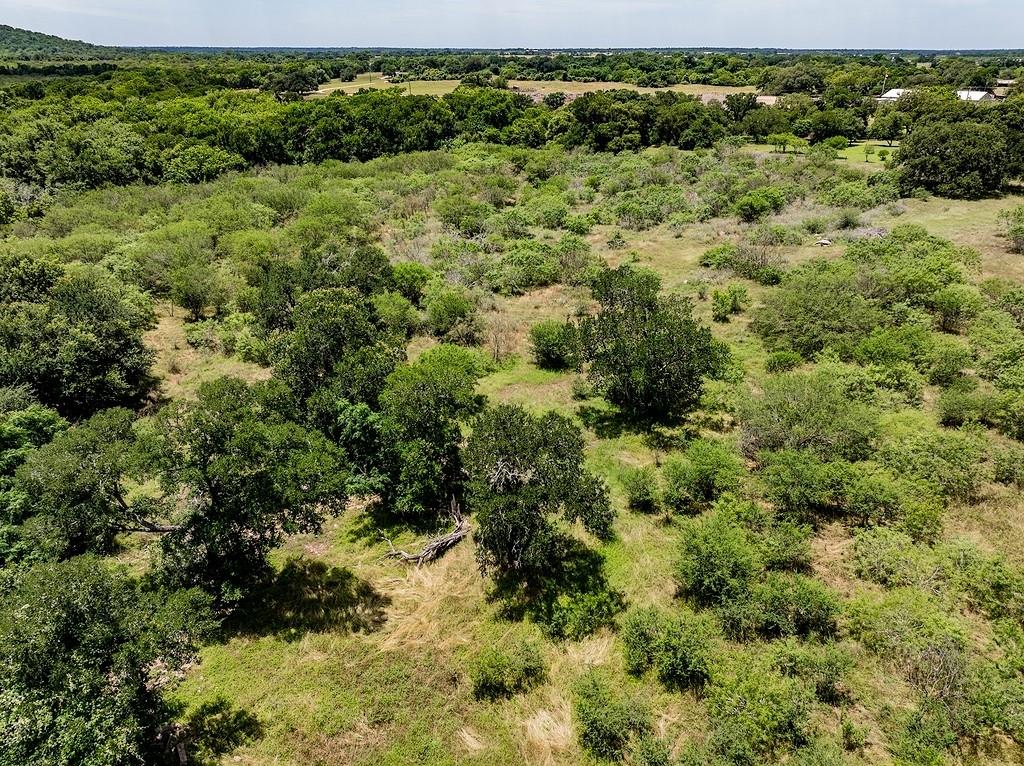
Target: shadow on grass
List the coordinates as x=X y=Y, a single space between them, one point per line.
x=613 y=423
x=377 y=521
x=310 y=597
x=572 y=601
x=209 y=732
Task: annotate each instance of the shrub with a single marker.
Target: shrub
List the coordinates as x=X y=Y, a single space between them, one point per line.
x=553 y=344
x=802 y=486
x=641 y=630
x=396 y=313
x=854 y=737
x=411 y=279
x=819 y=305
x=524 y=267
x=888 y=557
x=685 y=652
x=824 y=667
x=577 y=615
x=947 y=460
x=451 y=314
x=786 y=546
x=706 y=471
x=719 y=257
x=1013 y=228
x=718 y=560
x=641 y=485
x=756 y=204
x=607 y=721
x=1008 y=466
x=795 y=605
x=728 y=302
x=757 y=715
x=810 y=411
x=498 y=673
x=783 y=361
x=650 y=751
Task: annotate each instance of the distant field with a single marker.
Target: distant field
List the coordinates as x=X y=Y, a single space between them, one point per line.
x=376 y=81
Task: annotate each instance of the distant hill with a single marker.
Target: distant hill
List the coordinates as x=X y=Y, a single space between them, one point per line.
x=24 y=44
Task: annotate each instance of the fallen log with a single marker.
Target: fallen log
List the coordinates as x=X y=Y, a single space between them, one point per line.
x=436 y=547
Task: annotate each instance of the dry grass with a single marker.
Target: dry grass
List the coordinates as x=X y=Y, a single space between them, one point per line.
x=182 y=368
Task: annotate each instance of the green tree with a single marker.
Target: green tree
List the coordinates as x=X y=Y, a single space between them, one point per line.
x=522 y=471
x=646 y=353
x=79 y=648
x=423 y=407
x=249 y=474
x=960 y=160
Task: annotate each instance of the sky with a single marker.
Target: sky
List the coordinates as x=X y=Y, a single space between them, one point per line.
x=886 y=24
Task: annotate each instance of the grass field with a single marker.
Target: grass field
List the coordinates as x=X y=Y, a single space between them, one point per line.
x=386 y=684
x=375 y=81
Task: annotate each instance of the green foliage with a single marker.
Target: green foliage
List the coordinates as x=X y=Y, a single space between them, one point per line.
x=756 y=204
x=73 y=335
x=553 y=344
x=607 y=721
x=818 y=306
x=1013 y=228
x=253 y=476
x=947 y=460
x=682 y=649
x=706 y=471
x=646 y=353
x=451 y=314
x=757 y=715
x=824 y=667
x=74 y=488
x=422 y=409
x=719 y=559
x=642 y=491
x=789 y=604
x=411 y=279
x=965 y=159
x=783 y=361
x=522 y=470
x=78 y=643
x=808 y=411
x=498 y=673
x=728 y=303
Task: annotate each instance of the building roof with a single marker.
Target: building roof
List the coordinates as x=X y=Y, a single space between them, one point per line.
x=894 y=95
x=974 y=95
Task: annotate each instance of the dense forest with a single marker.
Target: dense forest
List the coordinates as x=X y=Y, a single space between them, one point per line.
x=485 y=429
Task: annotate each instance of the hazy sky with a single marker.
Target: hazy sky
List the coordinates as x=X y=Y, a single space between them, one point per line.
x=530 y=23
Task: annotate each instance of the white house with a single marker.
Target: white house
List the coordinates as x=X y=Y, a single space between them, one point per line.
x=893 y=95
x=975 y=95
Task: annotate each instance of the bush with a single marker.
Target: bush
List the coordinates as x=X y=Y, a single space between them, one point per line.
x=396 y=313
x=411 y=279
x=783 y=361
x=947 y=460
x=889 y=558
x=641 y=485
x=497 y=673
x=756 y=204
x=1008 y=466
x=607 y=722
x=728 y=302
x=685 y=652
x=650 y=751
x=707 y=470
x=718 y=560
x=809 y=411
x=720 y=257
x=756 y=715
x=786 y=546
x=640 y=633
x=824 y=667
x=795 y=605
x=577 y=615
x=1013 y=228
x=451 y=314
x=802 y=486
x=553 y=344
